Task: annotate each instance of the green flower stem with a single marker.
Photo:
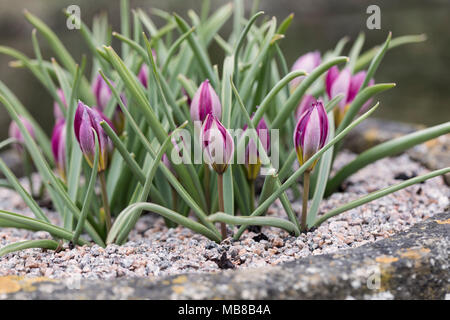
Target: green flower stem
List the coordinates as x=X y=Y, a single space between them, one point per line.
x=306 y=178
x=28 y=169
x=252 y=194
x=207 y=178
x=223 y=226
x=104 y=192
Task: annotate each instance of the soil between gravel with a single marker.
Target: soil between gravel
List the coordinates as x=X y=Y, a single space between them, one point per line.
x=153 y=250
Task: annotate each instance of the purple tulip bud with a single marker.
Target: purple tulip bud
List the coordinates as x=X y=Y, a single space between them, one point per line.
x=205 y=102
x=252 y=158
x=59 y=146
x=345 y=83
x=307 y=62
x=56 y=109
x=307 y=101
x=87 y=120
x=102 y=92
x=311 y=132
x=143 y=75
x=14 y=132
x=217 y=143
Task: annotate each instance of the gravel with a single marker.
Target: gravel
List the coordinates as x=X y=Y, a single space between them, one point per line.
x=153 y=250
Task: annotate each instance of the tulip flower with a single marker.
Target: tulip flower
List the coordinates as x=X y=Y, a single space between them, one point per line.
x=217 y=144
x=310 y=135
x=307 y=101
x=252 y=159
x=87 y=120
x=205 y=102
x=345 y=83
x=86 y=126
x=14 y=132
x=56 y=109
x=59 y=147
x=307 y=62
x=311 y=132
x=218 y=147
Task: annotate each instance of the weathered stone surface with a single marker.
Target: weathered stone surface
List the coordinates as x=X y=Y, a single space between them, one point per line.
x=434 y=154
x=409 y=265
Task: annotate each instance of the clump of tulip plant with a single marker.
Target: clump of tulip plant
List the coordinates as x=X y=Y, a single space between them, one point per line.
x=159 y=128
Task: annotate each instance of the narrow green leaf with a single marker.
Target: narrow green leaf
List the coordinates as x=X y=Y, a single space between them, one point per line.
x=199 y=52
x=376 y=62
x=15 y=183
x=359 y=101
x=14 y=220
x=380 y=193
x=255 y=221
x=355 y=51
x=18 y=246
x=366 y=57
x=386 y=149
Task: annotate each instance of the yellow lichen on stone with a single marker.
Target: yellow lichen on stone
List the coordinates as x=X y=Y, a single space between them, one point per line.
x=178 y=289
x=179 y=280
x=443 y=221
x=386 y=259
x=431 y=143
x=371 y=135
x=414 y=254
x=11 y=284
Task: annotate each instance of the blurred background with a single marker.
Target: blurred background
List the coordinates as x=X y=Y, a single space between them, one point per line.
x=421 y=71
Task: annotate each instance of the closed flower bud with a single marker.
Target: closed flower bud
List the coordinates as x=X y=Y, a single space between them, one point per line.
x=14 y=132
x=307 y=62
x=86 y=122
x=343 y=82
x=56 y=109
x=311 y=132
x=205 y=102
x=59 y=147
x=217 y=144
x=252 y=155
